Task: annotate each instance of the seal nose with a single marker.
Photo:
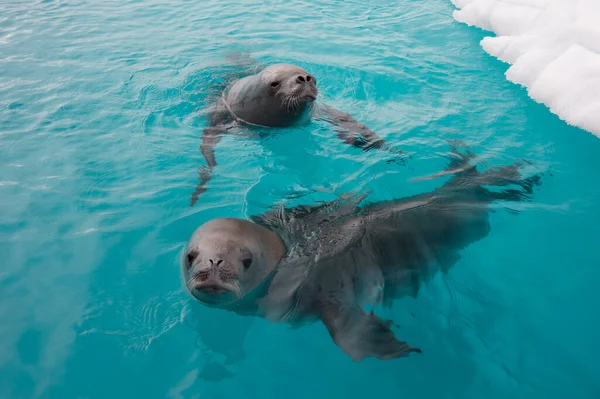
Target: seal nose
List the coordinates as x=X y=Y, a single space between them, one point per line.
x=302 y=79
x=209 y=272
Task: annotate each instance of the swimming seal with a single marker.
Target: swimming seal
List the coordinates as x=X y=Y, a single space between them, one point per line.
x=328 y=262
x=280 y=95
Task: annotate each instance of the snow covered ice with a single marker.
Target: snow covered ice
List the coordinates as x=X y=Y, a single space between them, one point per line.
x=553 y=47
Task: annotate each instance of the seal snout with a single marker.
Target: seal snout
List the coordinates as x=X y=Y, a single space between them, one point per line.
x=309 y=97
x=211 y=289
x=308 y=87
x=214 y=278
x=304 y=78
x=210 y=285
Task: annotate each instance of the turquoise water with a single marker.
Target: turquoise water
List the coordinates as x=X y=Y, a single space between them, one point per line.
x=100 y=116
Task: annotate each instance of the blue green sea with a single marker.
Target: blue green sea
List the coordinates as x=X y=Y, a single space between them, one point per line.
x=102 y=105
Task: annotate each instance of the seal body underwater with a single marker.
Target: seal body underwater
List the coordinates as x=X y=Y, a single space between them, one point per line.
x=327 y=262
x=279 y=95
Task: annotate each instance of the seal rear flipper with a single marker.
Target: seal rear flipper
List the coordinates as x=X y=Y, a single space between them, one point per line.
x=362 y=335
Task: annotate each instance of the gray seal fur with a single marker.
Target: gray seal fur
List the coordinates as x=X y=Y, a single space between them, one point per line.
x=341 y=256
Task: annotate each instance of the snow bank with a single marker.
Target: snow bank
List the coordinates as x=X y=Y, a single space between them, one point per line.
x=553 y=47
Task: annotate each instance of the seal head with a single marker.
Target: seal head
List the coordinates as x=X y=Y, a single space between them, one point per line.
x=280 y=95
x=291 y=84
x=227 y=258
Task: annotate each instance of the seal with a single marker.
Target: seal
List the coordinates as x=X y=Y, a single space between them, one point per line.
x=331 y=261
x=279 y=95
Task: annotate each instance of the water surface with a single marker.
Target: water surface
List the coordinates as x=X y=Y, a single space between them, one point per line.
x=101 y=110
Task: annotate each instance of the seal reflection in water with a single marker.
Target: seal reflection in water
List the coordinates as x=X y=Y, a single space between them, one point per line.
x=327 y=262
x=280 y=95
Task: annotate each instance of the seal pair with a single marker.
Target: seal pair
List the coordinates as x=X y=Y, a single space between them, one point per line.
x=328 y=262
x=280 y=95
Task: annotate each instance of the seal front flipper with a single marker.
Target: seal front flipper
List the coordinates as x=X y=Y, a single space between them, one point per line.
x=351 y=131
x=360 y=334
x=210 y=138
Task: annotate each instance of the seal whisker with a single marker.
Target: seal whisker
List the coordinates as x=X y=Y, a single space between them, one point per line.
x=292 y=104
x=200 y=276
x=284 y=103
x=238 y=289
x=287 y=103
x=296 y=103
x=292 y=100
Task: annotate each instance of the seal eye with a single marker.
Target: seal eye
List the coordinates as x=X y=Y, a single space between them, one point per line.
x=247 y=263
x=275 y=84
x=191 y=257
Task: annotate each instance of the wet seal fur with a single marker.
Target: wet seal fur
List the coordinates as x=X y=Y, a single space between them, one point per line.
x=327 y=262
x=279 y=95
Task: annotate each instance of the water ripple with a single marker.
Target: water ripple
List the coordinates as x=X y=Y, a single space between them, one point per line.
x=102 y=104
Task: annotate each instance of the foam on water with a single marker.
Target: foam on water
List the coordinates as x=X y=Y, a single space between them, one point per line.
x=553 y=47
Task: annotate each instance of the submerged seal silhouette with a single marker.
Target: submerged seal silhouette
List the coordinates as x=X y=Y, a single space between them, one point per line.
x=327 y=262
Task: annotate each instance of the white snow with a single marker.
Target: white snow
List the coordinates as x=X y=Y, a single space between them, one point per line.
x=553 y=47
